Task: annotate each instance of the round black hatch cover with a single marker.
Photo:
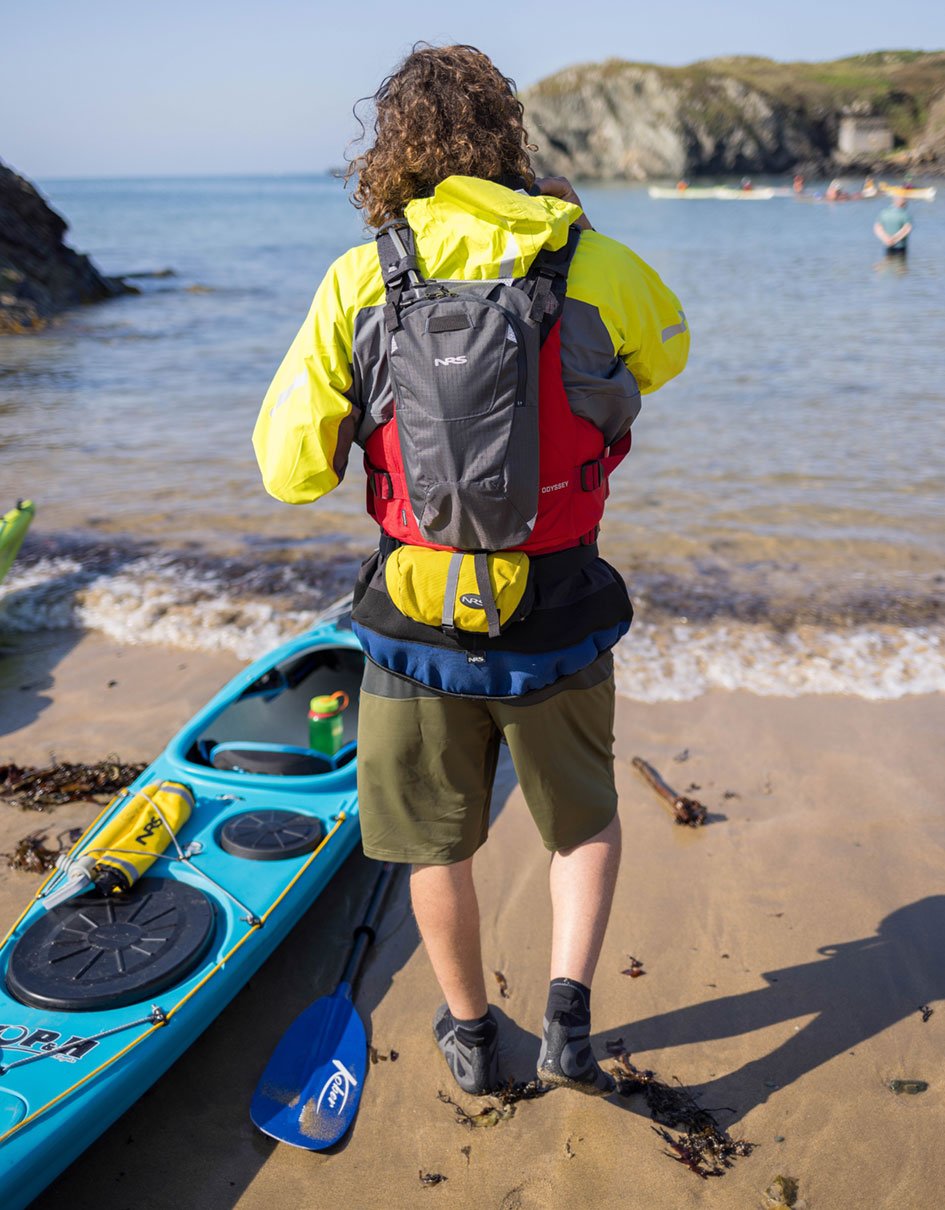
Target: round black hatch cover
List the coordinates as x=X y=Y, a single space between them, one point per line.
x=270 y=835
x=105 y=952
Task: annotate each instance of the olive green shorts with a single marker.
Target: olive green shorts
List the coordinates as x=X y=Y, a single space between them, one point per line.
x=426 y=764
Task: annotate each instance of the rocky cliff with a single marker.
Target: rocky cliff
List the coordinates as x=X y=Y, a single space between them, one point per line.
x=929 y=151
x=39 y=274
x=619 y=120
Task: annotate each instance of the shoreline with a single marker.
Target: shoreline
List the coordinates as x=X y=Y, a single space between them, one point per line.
x=787 y=948
x=720 y=622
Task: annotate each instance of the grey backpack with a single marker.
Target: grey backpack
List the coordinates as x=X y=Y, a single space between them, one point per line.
x=464 y=373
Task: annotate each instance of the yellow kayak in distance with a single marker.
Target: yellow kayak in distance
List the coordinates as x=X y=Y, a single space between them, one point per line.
x=924 y=193
x=13 y=527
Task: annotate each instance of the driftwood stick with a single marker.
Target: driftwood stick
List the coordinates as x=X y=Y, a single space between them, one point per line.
x=688 y=812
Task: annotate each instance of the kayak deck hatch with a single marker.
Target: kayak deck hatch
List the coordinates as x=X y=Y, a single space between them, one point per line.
x=109 y=951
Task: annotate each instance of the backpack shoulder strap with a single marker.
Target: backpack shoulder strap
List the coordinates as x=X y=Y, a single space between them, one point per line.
x=549 y=272
x=397 y=254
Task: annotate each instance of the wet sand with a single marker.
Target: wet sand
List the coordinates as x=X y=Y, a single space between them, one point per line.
x=787 y=949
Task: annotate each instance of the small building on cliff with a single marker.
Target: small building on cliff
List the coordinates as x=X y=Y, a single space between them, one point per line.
x=864 y=135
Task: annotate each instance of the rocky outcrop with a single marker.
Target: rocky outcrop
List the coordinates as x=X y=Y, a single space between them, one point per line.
x=630 y=121
x=635 y=123
x=39 y=274
x=929 y=151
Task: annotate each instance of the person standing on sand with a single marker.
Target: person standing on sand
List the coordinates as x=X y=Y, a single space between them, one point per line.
x=449 y=168
x=894 y=226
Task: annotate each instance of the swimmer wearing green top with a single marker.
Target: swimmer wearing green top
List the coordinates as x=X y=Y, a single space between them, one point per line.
x=893 y=227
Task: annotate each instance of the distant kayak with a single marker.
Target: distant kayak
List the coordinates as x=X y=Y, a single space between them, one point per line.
x=13 y=527
x=712 y=193
x=109 y=976
x=924 y=194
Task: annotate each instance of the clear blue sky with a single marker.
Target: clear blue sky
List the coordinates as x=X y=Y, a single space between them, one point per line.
x=102 y=88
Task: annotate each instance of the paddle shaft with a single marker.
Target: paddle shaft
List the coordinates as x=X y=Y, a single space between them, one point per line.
x=364 y=933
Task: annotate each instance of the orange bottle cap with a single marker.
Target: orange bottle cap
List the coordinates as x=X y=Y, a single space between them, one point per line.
x=329 y=703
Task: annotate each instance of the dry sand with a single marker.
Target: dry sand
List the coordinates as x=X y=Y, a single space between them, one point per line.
x=787 y=948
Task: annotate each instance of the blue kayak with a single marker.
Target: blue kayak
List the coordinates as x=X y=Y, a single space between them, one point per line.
x=100 y=993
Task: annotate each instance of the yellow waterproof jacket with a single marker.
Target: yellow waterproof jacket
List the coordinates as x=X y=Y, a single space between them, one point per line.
x=623 y=332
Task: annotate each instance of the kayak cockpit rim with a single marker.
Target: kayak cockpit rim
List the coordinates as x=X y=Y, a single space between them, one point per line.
x=241 y=710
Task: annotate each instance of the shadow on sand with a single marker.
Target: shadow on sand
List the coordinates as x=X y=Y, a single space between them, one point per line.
x=27 y=663
x=35 y=629
x=855 y=988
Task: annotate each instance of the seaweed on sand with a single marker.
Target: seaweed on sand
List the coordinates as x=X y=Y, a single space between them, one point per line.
x=377 y=1057
x=38 y=789
x=703 y=1146
x=507 y=1095
x=31 y=854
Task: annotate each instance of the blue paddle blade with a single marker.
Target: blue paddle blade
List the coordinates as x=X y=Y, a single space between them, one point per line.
x=309 y=1093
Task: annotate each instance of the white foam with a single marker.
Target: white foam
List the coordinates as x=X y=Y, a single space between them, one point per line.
x=152 y=600
x=681 y=662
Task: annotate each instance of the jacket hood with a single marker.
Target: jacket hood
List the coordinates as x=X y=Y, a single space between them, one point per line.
x=472 y=228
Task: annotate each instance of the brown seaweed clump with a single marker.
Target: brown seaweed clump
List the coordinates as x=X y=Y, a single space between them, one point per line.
x=31 y=854
x=507 y=1097
x=377 y=1056
x=38 y=789
x=703 y=1146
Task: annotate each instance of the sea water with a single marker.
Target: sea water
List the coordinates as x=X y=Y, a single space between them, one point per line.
x=780 y=521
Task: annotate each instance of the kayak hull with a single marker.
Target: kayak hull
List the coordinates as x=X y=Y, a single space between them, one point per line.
x=711 y=193
x=54 y=1106
x=919 y=194
x=13 y=527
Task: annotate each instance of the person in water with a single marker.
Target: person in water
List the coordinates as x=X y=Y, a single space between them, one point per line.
x=894 y=226
x=450 y=155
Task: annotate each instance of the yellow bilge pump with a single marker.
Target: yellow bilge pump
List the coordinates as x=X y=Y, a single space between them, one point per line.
x=129 y=844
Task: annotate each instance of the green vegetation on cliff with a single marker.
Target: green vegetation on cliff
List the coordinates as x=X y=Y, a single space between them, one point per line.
x=738 y=113
x=899 y=84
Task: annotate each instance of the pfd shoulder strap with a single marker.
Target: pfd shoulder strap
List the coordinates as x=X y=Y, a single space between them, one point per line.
x=397 y=253
x=549 y=272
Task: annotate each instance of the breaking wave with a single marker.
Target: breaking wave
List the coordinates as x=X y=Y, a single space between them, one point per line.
x=134 y=595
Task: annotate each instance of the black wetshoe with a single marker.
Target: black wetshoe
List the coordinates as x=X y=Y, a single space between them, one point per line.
x=566 y=1058
x=475 y=1067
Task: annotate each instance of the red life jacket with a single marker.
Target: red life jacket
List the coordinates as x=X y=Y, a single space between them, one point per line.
x=572 y=463
x=573 y=470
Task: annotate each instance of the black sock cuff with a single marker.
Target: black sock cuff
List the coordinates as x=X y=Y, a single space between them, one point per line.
x=567 y=995
x=476 y=1032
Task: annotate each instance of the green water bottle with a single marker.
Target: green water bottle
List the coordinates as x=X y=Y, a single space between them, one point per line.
x=325 y=724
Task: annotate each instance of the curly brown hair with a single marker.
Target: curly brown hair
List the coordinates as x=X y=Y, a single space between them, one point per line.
x=446 y=110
